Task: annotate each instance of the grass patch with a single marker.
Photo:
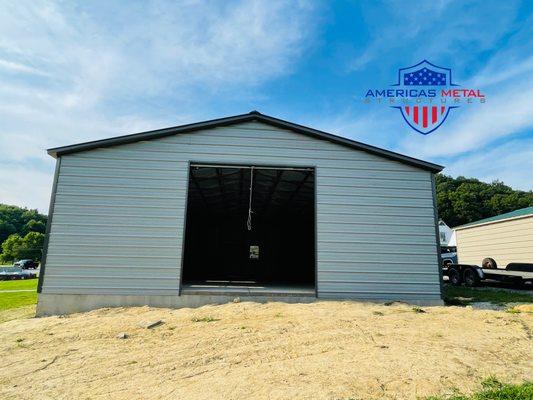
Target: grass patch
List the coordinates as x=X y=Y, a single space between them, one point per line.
x=17 y=299
x=418 y=310
x=492 y=389
x=20 y=284
x=460 y=295
x=11 y=300
x=204 y=319
x=512 y=311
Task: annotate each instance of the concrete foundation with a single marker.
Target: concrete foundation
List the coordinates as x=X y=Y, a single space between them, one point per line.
x=58 y=304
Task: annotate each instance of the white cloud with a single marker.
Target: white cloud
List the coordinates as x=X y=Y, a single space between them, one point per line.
x=433 y=30
x=503 y=68
x=24 y=185
x=76 y=72
x=472 y=131
x=506 y=112
x=374 y=126
x=17 y=67
x=511 y=163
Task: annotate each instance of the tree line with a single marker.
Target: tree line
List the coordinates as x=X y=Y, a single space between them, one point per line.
x=462 y=200
x=21 y=233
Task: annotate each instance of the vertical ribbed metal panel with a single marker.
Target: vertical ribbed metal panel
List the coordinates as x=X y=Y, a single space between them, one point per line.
x=119 y=212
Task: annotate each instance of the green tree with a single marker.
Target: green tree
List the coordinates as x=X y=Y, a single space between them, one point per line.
x=16 y=247
x=21 y=221
x=462 y=200
x=32 y=246
x=35 y=226
x=10 y=247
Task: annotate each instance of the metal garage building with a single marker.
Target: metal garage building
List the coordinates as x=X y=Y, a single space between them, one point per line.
x=244 y=205
x=506 y=238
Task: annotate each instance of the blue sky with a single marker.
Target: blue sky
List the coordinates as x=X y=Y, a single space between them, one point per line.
x=74 y=72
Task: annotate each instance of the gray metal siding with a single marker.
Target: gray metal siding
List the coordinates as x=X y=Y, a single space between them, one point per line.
x=119 y=212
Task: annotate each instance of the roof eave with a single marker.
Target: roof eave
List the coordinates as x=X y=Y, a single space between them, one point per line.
x=477 y=224
x=353 y=144
x=131 y=138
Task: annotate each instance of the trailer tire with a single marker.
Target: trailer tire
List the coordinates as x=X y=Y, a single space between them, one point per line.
x=454 y=276
x=489 y=263
x=470 y=277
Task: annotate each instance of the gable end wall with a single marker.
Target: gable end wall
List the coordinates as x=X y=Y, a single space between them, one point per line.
x=117 y=224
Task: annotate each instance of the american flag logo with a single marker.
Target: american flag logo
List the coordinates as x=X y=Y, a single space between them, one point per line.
x=424 y=77
x=425 y=118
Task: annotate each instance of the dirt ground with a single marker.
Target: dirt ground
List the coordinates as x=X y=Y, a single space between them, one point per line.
x=324 y=350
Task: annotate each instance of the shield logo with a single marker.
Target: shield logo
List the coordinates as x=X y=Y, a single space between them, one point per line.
x=424 y=118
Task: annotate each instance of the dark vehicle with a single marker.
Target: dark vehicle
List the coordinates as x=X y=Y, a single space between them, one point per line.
x=448 y=255
x=26 y=264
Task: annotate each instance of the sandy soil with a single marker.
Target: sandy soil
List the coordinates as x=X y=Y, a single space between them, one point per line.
x=324 y=350
x=17 y=313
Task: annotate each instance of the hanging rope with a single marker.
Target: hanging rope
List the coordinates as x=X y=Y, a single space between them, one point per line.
x=249 y=222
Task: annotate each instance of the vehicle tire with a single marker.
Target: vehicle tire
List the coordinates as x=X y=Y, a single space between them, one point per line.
x=470 y=277
x=454 y=277
x=489 y=263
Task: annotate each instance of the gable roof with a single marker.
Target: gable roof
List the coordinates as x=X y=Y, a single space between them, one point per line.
x=522 y=212
x=252 y=116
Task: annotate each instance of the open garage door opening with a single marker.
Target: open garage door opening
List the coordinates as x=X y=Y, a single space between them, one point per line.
x=250 y=227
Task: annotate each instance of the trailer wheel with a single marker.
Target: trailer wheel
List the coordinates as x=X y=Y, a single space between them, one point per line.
x=489 y=263
x=470 y=277
x=454 y=276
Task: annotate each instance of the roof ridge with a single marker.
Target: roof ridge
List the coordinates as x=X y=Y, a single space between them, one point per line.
x=251 y=116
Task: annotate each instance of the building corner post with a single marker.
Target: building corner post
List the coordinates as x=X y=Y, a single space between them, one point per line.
x=48 y=226
x=437 y=234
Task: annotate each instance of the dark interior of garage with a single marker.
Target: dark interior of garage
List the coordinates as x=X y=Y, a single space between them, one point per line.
x=250 y=225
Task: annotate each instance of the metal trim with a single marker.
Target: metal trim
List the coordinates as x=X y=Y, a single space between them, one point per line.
x=255 y=166
x=252 y=116
x=315 y=176
x=437 y=234
x=180 y=283
x=48 y=227
x=475 y=224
